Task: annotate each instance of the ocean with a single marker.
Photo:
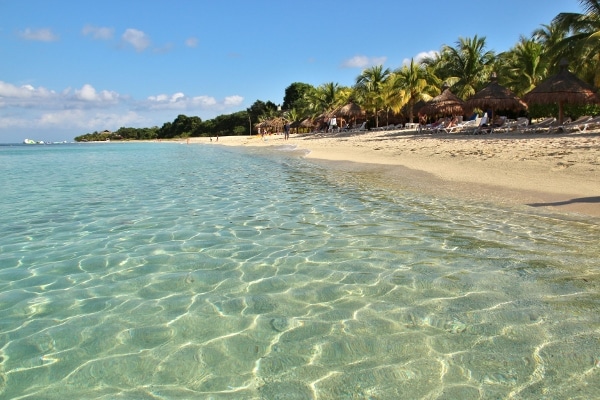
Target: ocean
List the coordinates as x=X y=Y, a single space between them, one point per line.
x=174 y=271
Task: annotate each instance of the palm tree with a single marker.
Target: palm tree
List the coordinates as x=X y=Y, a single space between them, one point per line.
x=584 y=38
x=323 y=98
x=369 y=87
x=469 y=63
x=551 y=38
x=411 y=84
x=524 y=66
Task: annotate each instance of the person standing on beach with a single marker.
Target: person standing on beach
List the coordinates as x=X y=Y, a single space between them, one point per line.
x=286 y=131
x=333 y=123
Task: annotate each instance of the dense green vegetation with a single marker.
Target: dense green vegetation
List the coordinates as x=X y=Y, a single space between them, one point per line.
x=466 y=67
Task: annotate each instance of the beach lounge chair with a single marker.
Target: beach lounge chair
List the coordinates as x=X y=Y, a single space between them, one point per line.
x=359 y=128
x=507 y=126
x=482 y=127
x=439 y=128
x=578 y=124
x=463 y=126
x=522 y=123
x=542 y=126
x=497 y=126
x=592 y=123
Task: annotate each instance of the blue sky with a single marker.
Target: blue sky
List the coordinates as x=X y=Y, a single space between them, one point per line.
x=73 y=67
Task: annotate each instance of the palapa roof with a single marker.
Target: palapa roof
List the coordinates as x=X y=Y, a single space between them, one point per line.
x=564 y=87
x=349 y=110
x=276 y=122
x=305 y=123
x=446 y=103
x=496 y=97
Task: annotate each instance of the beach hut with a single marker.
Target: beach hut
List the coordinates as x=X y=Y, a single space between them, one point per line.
x=447 y=103
x=495 y=97
x=350 y=111
x=306 y=123
x=272 y=125
x=562 y=88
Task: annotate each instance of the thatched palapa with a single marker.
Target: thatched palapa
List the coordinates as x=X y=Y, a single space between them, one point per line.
x=276 y=123
x=350 y=110
x=562 y=88
x=496 y=97
x=447 y=103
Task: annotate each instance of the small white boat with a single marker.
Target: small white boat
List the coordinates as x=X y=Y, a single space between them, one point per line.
x=30 y=141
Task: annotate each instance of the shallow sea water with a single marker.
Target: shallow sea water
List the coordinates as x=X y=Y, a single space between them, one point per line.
x=172 y=271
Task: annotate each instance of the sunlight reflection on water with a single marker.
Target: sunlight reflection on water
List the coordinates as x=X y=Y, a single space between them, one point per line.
x=141 y=270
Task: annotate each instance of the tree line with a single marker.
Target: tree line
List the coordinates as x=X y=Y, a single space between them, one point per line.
x=465 y=67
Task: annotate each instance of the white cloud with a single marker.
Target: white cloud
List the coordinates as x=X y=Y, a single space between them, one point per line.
x=233 y=100
x=27 y=96
x=204 y=101
x=10 y=92
x=420 y=57
x=191 y=42
x=177 y=96
x=87 y=120
x=363 y=61
x=97 y=32
x=166 y=99
x=40 y=35
x=28 y=111
x=89 y=94
x=180 y=101
x=138 y=39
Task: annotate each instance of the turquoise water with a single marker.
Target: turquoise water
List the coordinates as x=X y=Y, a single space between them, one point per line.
x=172 y=271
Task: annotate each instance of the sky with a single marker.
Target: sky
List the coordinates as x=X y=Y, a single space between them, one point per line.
x=73 y=67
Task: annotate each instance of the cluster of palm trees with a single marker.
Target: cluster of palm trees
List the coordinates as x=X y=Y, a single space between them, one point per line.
x=466 y=67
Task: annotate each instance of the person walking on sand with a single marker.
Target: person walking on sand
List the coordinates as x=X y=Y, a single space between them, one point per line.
x=286 y=131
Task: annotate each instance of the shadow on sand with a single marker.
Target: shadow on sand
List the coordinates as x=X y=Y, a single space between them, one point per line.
x=593 y=199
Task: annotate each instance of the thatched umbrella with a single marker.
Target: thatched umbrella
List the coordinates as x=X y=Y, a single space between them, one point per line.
x=562 y=88
x=495 y=97
x=445 y=103
x=276 y=123
x=352 y=110
x=305 y=123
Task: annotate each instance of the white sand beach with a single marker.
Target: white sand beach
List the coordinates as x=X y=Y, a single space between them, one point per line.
x=559 y=171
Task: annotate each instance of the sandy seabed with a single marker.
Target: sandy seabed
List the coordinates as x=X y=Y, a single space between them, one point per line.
x=557 y=171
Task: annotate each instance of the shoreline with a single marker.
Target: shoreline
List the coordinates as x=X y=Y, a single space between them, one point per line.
x=557 y=172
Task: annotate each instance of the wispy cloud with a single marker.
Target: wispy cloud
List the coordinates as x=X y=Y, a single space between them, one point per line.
x=138 y=39
x=191 y=42
x=421 y=56
x=84 y=121
x=39 y=35
x=98 y=32
x=179 y=101
x=359 y=61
